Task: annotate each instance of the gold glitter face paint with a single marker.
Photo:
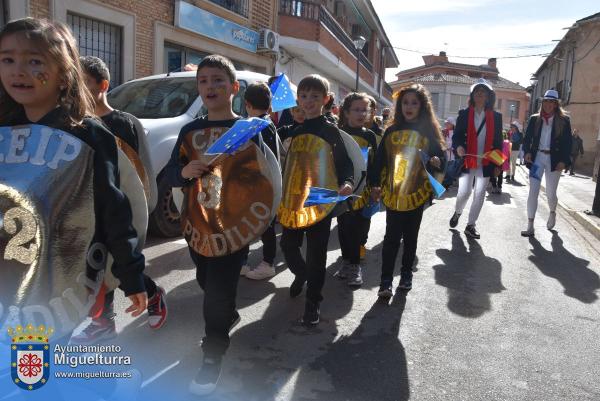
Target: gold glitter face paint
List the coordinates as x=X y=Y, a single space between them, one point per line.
x=41 y=76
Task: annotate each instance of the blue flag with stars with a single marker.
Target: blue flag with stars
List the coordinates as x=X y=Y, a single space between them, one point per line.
x=240 y=133
x=318 y=196
x=283 y=94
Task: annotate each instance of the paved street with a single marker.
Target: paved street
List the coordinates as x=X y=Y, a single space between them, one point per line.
x=503 y=318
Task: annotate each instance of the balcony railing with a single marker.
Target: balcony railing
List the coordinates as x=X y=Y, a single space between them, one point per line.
x=237 y=6
x=317 y=12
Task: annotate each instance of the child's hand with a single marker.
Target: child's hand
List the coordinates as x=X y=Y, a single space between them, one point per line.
x=194 y=169
x=460 y=151
x=435 y=162
x=527 y=158
x=139 y=303
x=376 y=194
x=345 y=189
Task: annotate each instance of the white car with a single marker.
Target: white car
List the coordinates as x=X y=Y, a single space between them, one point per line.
x=164 y=103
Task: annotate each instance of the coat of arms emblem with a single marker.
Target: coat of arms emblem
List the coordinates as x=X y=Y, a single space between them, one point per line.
x=30 y=356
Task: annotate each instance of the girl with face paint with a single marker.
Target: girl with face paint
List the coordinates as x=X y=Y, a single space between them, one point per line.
x=41 y=83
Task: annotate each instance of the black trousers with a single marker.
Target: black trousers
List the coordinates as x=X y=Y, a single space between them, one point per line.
x=400 y=225
x=313 y=268
x=218 y=277
x=352 y=229
x=497 y=181
x=572 y=166
x=269 y=240
x=365 y=235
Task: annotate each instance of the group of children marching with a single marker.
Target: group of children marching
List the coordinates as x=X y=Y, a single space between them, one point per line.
x=43 y=83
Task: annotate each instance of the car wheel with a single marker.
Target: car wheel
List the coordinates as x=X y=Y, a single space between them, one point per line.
x=165 y=220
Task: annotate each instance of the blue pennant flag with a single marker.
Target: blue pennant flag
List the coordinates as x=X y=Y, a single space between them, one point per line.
x=365 y=153
x=536 y=171
x=438 y=189
x=240 y=133
x=283 y=94
x=318 y=196
x=371 y=209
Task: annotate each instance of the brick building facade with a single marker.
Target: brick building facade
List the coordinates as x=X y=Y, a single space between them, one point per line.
x=317 y=37
x=143 y=37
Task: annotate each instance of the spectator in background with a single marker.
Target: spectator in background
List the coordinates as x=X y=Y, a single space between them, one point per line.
x=385 y=115
x=370 y=123
x=329 y=107
x=448 y=131
x=515 y=136
x=576 y=150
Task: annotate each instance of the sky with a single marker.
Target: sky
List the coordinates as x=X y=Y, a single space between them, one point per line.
x=480 y=28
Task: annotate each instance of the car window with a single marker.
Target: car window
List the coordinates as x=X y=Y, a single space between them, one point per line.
x=155 y=98
x=238 y=105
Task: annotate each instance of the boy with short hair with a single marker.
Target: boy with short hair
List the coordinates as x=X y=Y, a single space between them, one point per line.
x=128 y=129
x=317 y=156
x=218 y=276
x=258 y=102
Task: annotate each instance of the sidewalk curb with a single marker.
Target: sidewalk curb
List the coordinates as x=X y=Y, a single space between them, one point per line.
x=578 y=216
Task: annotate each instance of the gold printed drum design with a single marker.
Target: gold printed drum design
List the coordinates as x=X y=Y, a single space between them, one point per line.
x=46 y=226
x=404 y=182
x=233 y=204
x=309 y=163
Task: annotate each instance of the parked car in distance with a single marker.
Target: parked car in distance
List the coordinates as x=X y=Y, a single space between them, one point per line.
x=164 y=103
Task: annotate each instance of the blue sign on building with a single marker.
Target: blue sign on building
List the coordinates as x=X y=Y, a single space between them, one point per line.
x=197 y=20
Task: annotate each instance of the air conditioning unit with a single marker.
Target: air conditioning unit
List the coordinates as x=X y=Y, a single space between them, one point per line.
x=268 y=41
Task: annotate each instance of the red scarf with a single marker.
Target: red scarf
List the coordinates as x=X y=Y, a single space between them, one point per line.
x=547 y=116
x=471 y=161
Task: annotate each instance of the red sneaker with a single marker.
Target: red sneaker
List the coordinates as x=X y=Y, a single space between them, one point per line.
x=157 y=309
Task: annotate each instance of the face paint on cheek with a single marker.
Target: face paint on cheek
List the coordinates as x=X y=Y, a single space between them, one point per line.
x=41 y=76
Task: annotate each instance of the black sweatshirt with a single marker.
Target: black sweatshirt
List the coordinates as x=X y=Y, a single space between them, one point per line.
x=122 y=126
x=112 y=210
x=434 y=149
x=269 y=135
x=320 y=127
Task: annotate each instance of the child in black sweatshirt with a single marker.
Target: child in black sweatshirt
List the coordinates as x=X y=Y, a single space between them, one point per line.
x=316 y=157
x=352 y=225
x=218 y=263
x=399 y=177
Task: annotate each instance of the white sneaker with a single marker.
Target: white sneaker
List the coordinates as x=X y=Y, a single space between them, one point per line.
x=245 y=270
x=261 y=272
x=551 y=220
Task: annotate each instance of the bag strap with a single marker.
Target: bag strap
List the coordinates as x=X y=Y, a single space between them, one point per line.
x=481 y=126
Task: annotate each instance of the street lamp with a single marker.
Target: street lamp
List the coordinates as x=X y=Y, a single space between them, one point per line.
x=359 y=43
